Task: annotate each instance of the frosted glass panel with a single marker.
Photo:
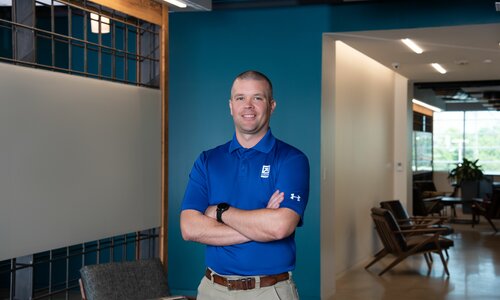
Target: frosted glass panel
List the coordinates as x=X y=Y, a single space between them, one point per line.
x=80 y=159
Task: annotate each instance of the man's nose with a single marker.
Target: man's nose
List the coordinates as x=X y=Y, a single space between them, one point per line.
x=248 y=102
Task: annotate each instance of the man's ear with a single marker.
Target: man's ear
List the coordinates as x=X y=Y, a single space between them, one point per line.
x=230 y=107
x=273 y=105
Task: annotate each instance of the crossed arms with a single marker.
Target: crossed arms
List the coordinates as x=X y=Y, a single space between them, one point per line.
x=240 y=226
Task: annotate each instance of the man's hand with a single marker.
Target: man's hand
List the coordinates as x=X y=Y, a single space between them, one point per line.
x=276 y=199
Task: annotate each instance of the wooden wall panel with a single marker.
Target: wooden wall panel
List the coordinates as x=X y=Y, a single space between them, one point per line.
x=147 y=10
x=422 y=110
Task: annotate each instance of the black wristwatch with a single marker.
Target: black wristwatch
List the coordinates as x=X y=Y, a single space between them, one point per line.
x=221 y=207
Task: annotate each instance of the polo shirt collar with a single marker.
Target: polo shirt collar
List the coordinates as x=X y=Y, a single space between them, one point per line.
x=264 y=145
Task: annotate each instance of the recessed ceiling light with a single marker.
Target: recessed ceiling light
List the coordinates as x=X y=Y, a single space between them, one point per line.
x=438 y=68
x=487 y=61
x=411 y=44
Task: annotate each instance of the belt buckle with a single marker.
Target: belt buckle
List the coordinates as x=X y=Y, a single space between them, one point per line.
x=240 y=284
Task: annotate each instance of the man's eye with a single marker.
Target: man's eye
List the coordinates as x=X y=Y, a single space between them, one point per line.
x=259 y=98
x=238 y=98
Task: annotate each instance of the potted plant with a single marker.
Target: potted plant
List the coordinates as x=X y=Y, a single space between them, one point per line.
x=467 y=170
x=467 y=175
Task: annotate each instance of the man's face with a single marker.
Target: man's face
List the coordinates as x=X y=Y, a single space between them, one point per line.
x=251 y=106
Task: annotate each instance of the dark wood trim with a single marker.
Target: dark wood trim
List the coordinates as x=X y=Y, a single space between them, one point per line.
x=164 y=42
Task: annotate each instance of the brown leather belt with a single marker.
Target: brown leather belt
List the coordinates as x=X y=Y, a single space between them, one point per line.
x=246 y=283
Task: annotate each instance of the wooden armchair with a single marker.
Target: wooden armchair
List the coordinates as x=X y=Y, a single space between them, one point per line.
x=417 y=222
x=403 y=218
x=489 y=208
x=399 y=212
x=395 y=241
x=131 y=280
x=426 y=206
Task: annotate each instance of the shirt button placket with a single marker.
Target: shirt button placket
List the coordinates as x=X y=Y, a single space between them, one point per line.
x=243 y=167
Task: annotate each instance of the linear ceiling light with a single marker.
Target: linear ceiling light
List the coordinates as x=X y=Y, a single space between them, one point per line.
x=431 y=107
x=177 y=3
x=438 y=68
x=411 y=44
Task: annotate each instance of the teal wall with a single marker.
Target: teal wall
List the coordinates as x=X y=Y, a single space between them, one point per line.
x=212 y=48
x=207 y=49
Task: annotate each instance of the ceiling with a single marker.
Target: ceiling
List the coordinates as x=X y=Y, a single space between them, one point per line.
x=470 y=54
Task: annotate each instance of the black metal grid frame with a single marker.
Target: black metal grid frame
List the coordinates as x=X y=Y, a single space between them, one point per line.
x=144 y=244
x=142 y=58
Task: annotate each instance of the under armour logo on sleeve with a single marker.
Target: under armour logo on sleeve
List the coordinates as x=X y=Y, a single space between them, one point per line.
x=293 y=197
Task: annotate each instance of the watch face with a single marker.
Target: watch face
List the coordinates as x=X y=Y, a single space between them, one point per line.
x=222 y=206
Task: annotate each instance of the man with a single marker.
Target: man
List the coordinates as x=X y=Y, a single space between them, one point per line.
x=244 y=200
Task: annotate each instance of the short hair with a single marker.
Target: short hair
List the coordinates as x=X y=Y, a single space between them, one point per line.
x=256 y=75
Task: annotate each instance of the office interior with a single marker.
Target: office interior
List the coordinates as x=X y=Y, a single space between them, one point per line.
x=140 y=132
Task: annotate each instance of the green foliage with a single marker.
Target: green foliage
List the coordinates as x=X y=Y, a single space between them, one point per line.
x=467 y=170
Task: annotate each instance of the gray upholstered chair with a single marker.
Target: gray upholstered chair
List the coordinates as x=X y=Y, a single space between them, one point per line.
x=131 y=280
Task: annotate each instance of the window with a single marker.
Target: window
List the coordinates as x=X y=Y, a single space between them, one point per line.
x=422 y=143
x=82 y=38
x=472 y=134
x=422 y=151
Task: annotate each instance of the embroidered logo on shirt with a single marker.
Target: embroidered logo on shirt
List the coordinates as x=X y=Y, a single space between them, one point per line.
x=293 y=197
x=265 y=171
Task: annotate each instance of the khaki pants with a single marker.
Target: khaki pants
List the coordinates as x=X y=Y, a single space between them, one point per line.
x=284 y=290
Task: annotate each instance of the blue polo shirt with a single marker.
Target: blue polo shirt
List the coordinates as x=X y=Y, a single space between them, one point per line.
x=246 y=179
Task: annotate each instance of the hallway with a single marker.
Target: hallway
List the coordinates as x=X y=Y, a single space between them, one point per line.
x=474 y=266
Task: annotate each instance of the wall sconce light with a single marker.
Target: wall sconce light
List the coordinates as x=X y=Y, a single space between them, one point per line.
x=99 y=24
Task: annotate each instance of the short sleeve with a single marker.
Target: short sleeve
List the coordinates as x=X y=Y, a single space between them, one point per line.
x=196 y=195
x=293 y=181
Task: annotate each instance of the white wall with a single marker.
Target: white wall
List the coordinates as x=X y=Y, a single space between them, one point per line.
x=403 y=116
x=80 y=159
x=364 y=104
x=327 y=169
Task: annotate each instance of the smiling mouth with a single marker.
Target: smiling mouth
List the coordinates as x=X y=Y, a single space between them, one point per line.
x=248 y=116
